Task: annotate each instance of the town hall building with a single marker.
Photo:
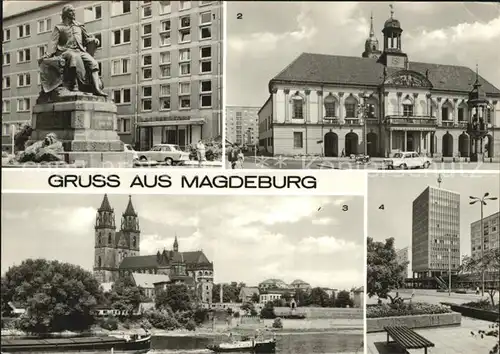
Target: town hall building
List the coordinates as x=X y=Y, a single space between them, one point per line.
x=379 y=103
x=117 y=253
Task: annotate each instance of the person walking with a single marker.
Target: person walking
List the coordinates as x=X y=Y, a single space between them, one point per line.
x=200 y=152
x=241 y=159
x=233 y=156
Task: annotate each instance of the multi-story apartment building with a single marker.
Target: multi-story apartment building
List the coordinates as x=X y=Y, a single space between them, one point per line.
x=160 y=61
x=242 y=125
x=491 y=234
x=435 y=233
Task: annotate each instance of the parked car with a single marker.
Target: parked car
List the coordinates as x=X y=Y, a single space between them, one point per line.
x=170 y=154
x=130 y=150
x=407 y=159
x=6 y=158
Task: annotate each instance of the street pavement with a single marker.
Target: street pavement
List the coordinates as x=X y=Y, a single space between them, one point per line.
x=461 y=339
x=290 y=163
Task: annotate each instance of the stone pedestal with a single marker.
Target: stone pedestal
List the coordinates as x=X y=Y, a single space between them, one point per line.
x=85 y=124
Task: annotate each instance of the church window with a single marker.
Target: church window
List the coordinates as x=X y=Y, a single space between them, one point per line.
x=134 y=241
x=329 y=106
x=298 y=107
x=98 y=262
x=99 y=240
x=109 y=237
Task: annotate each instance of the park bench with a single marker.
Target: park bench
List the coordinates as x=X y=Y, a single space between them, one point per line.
x=407 y=338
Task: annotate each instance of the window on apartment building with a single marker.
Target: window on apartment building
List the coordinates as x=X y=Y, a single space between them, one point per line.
x=165 y=26
x=23 y=31
x=147 y=60
x=6 y=35
x=205 y=32
x=184 y=102
x=120 y=7
x=165 y=58
x=165 y=103
x=44 y=25
x=147 y=104
x=184 y=54
x=165 y=71
x=165 y=7
x=23 y=105
x=206 y=67
x=206 y=18
x=23 y=55
x=185 y=68
x=147 y=91
x=6 y=59
x=298 y=141
x=147 y=73
x=206 y=86
x=6 y=82
x=206 y=52
x=121 y=96
x=147 y=11
x=165 y=39
x=23 y=80
x=92 y=13
x=124 y=125
x=164 y=90
x=206 y=101
x=184 y=88
x=42 y=50
x=185 y=21
x=185 y=36
x=184 y=5
x=120 y=66
x=146 y=29
x=5 y=106
x=147 y=42
x=121 y=36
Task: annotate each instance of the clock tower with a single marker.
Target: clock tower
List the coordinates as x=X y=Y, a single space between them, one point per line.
x=393 y=56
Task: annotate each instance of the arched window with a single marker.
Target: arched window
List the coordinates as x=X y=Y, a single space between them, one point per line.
x=109 y=237
x=99 y=262
x=407 y=107
x=99 y=239
x=297 y=107
x=329 y=102
x=134 y=241
x=462 y=112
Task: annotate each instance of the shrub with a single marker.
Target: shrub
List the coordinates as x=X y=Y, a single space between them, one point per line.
x=481 y=304
x=110 y=323
x=253 y=312
x=162 y=320
x=277 y=323
x=236 y=314
x=404 y=309
x=200 y=315
x=190 y=325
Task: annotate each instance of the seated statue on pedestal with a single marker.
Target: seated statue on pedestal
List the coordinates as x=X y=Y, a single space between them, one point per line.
x=69 y=66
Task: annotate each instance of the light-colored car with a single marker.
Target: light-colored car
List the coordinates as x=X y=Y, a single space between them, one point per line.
x=407 y=159
x=170 y=154
x=127 y=148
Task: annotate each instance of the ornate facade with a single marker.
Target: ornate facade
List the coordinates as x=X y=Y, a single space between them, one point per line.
x=117 y=254
x=379 y=104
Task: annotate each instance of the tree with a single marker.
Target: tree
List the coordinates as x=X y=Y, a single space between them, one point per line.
x=268 y=311
x=125 y=295
x=488 y=263
x=255 y=298
x=302 y=298
x=176 y=297
x=343 y=299
x=57 y=296
x=231 y=292
x=319 y=297
x=384 y=273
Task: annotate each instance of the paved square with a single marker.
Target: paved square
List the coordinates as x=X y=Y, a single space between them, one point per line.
x=447 y=340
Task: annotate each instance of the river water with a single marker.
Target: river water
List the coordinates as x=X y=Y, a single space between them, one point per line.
x=287 y=343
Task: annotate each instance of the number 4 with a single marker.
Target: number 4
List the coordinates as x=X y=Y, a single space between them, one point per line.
x=381 y=207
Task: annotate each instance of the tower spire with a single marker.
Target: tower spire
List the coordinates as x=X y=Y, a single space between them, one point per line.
x=176 y=244
x=130 y=211
x=392 y=10
x=105 y=206
x=372 y=32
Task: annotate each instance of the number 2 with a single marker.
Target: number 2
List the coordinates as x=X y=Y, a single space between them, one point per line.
x=239 y=16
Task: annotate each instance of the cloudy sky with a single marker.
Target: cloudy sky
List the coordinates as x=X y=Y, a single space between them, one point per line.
x=271 y=35
x=396 y=218
x=249 y=239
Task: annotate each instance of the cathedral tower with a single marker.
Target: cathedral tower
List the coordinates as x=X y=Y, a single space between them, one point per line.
x=105 y=259
x=371 y=45
x=393 y=56
x=129 y=239
x=176 y=245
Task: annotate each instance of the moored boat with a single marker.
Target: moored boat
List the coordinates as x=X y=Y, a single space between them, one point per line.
x=245 y=346
x=134 y=343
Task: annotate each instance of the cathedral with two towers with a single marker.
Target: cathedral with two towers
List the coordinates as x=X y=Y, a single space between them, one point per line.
x=117 y=253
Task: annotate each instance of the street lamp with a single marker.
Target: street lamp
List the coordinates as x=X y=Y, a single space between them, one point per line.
x=449 y=263
x=365 y=107
x=483 y=202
